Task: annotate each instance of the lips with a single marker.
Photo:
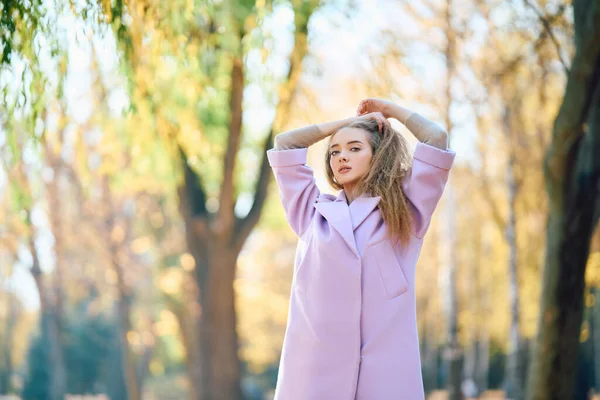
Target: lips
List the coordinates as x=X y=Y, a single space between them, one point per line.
x=344 y=169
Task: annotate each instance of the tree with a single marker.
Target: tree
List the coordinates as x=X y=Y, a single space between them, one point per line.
x=216 y=239
x=572 y=173
x=214 y=235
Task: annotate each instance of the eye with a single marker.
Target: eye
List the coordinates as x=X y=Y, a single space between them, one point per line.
x=334 y=152
x=357 y=148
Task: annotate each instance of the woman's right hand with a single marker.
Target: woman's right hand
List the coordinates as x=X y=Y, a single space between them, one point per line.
x=376 y=116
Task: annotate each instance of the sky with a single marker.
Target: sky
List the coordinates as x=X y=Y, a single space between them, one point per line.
x=339 y=64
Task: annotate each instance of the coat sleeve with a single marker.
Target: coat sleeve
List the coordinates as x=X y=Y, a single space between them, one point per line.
x=425 y=183
x=298 y=190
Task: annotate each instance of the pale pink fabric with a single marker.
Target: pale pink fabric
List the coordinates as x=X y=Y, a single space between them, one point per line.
x=352 y=330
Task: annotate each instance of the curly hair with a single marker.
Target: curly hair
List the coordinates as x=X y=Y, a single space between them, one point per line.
x=391 y=162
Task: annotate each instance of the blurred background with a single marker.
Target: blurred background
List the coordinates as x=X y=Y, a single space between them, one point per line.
x=144 y=253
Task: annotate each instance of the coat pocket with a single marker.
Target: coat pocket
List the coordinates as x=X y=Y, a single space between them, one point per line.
x=391 y=273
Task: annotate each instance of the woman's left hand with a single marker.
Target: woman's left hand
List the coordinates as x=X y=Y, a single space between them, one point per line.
x=374 y=105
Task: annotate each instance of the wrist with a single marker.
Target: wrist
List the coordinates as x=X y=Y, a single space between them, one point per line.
x=388 y=110
x=398 y=112
x=329 y=128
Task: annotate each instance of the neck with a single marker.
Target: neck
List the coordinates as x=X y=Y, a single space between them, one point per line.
x=349 y=190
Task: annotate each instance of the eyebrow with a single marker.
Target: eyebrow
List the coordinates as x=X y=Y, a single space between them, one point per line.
x=352 y=141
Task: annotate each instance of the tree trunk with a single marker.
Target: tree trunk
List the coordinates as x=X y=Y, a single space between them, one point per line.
x=219 y=324
x=471 y=352
x=453 y=351
x=596 y=337
x=49 y=327
x=216 y=239
x=7 y=337
x=188 y=317
x=483 y=361
x=513 y=373
x=48 y=323
x=124 y=298
x=55 y=315
x=572 y=171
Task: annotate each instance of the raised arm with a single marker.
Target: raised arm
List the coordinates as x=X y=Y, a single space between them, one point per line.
x=309 y=135
x=423 y=129
x=425 y=183
x=297 y=187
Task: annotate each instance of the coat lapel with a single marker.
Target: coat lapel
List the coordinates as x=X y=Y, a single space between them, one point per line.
x=338 y=216
x=361 y=208
x=345 y=219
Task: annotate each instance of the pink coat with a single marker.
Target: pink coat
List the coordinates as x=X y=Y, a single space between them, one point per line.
x=352 y=329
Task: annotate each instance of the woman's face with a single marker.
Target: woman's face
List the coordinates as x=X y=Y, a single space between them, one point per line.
x=350 y=155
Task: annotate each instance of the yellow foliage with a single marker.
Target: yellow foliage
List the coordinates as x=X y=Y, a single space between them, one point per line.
x=141 y=244
x=167 y=325
x=156 y=367
x=585 y=331
x=117 y=234
x=170 y=281
x=110 y=276
x=262 y=296
x=592 y=273
x=133 y=338
x=187 y=262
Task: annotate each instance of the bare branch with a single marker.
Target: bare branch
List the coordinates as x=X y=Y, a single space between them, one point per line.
x=486 y=187
x=245 y=225
x=583 y=79
x=287 y=93
x=195 y=197
x=546 y=23
x=227 y=196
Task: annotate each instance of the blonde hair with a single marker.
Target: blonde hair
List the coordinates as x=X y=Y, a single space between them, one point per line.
x=391 y=162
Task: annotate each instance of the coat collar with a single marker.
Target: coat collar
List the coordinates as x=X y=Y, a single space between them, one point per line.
x=346 y=218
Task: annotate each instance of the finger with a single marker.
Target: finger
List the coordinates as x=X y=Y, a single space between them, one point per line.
x=363 y=106
x=384 y=124
x=359 y=108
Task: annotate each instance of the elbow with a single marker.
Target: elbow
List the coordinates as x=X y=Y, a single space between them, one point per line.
x=439 y=139
x=276 y=142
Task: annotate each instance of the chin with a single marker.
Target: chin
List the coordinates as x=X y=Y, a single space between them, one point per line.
x=342 y=181
x=346 y=181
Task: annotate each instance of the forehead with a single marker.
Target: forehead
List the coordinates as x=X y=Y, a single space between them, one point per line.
x=346 y=135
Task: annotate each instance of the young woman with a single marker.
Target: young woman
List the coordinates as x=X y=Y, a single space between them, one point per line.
x=352 y=331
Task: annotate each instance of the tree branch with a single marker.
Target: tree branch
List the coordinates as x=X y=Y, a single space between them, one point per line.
x=486 y=189
x=245 y=225
x=287 y=92
x=581 y=84
x=195 y=197
x=546 y=23
x=227 y=197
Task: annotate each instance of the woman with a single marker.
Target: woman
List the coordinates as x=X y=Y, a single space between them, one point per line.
x=352 y=331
